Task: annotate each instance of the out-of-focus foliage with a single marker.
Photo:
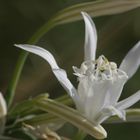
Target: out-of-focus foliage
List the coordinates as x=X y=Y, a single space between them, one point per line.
x=20 y=19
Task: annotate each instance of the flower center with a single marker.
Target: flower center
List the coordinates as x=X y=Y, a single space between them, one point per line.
x=100 y=69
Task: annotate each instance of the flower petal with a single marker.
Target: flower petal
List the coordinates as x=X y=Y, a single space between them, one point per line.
x=63 y=79
x=59 y=73
x=131 y=62
x=92 y=95
x=108 y=112
x=3 y=106
x=90 y=37
x=94 y=99
x=126 y=103
x=115 y=91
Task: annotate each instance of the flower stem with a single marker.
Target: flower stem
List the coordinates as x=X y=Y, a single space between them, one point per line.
x=80 y=135
x=10 y=93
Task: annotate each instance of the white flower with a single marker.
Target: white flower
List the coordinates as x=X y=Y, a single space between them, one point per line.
x=100 y=81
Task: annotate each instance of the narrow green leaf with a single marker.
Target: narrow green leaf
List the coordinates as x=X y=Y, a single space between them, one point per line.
x=95 y=8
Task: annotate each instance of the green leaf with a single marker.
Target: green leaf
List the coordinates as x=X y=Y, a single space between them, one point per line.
x=95 y=9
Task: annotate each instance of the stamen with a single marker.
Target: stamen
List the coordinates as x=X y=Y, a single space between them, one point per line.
x=100 y=69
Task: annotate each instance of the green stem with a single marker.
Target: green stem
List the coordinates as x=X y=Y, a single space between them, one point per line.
x=10 y=93
x=80 y=135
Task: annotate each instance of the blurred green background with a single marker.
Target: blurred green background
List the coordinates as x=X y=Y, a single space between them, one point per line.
x=19 y=19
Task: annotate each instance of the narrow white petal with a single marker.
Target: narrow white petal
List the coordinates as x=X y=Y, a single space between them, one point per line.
x=126 y=103
x=90 y=37
x=3 y=106
x=63 y=79
x=131 y=62
x=115 y=91
x=41 y=52
x=108 y=112
x=59 y=73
